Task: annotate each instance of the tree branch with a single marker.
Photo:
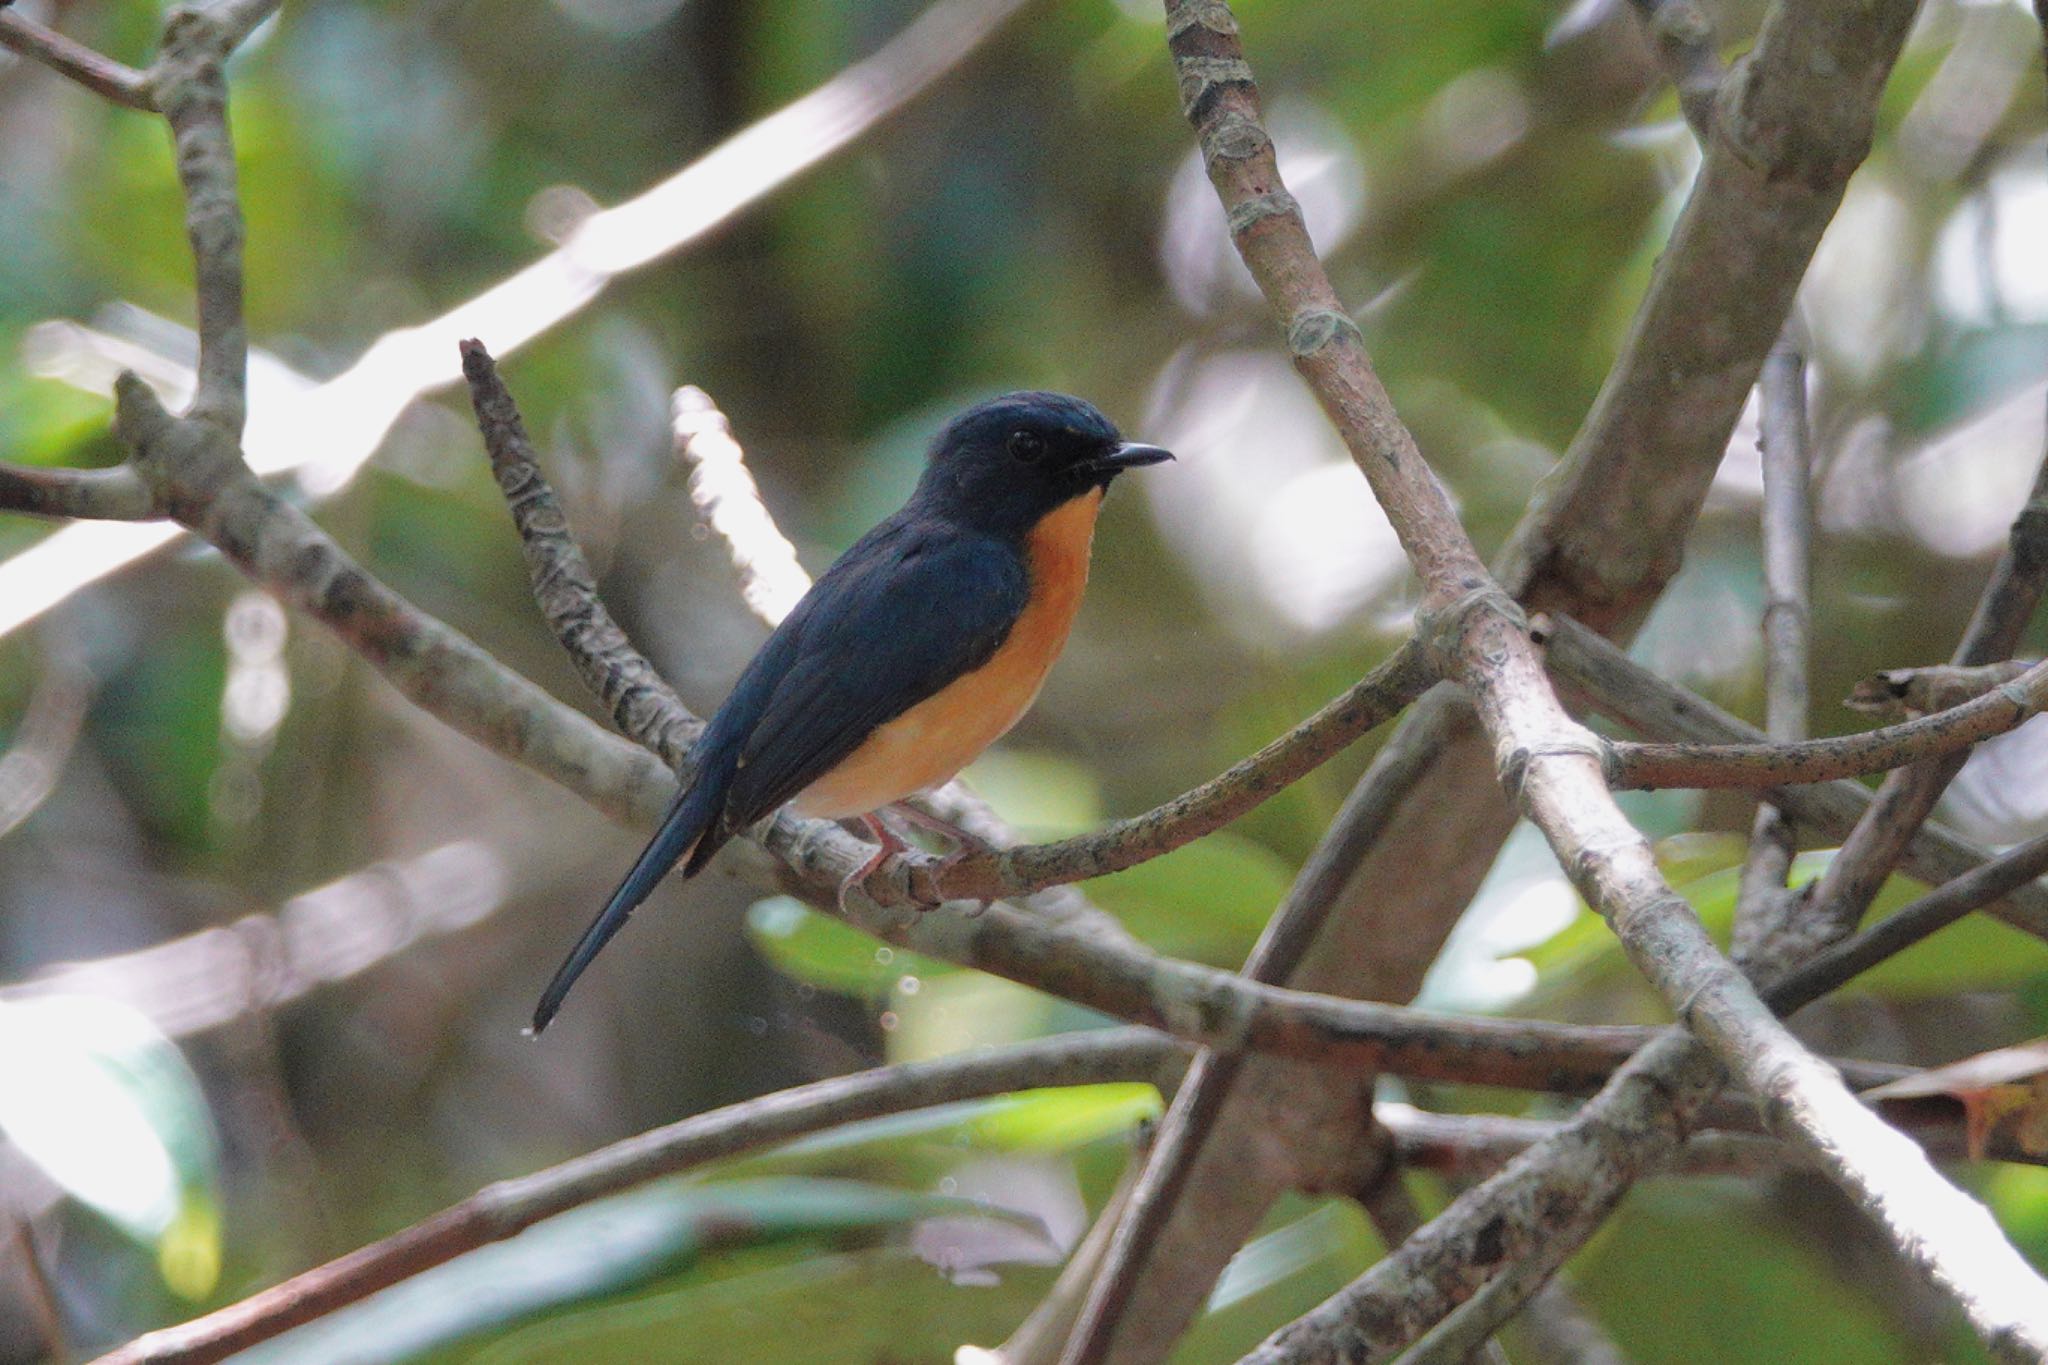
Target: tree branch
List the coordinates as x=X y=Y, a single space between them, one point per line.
x=1762 y=899
x=1162 y=1261
x=2004 y=708
x=641 y=703
x=1835 y=966
x=1934 y=687
x=102 y=75
x=1604 y=543
x=1619 y=687
x=509 y=1207
x=117 y=494
x=1852 y=879
x=1545 y=761
x=190 y=85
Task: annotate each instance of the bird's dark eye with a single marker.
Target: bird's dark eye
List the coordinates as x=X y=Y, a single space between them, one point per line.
x=1027 y=446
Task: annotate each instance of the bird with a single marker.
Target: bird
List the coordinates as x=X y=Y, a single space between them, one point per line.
x=920 y=647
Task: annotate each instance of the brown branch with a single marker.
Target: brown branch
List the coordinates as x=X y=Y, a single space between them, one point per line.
x=1639 y=1142
x=1608 y=527
x=640 y=701
x=1610 y=535
x=1872 y=849
x=1762 y=900
x=117 y=494
x=502 y=1210
x=1477 y=634
x=1366 y=705
x=1777 y=152
x=1911 y=692
x=1619 y=687
x=1542 y=1204
x=190 y=86
x=102 y=75
x=1833 y=967
x=2004 y=708
x=1468 y=1146
x=1141 y=1297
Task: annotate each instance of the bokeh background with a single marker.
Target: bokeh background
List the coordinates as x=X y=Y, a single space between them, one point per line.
x=361 y=905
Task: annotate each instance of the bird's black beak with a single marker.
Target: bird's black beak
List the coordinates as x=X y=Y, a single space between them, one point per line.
x=1128 y=455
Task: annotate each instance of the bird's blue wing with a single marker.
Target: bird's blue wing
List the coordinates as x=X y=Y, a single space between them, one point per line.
x=886 y=629
x=902 y=614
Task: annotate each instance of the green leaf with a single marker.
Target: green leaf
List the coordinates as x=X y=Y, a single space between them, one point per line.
x=609 y=1247
x=853 y=1308
x=104 y=1103
x=1207 y=900
x=822 y=951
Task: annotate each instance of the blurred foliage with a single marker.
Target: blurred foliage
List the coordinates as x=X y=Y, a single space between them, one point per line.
x=1492 y=185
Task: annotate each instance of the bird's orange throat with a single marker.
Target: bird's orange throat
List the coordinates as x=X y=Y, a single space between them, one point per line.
x=1057 y=552
x=946 y=731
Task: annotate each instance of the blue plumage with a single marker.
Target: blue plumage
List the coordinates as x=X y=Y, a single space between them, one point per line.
x=926 y=598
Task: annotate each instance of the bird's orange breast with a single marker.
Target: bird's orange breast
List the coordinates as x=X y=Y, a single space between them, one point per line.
x=942 y=734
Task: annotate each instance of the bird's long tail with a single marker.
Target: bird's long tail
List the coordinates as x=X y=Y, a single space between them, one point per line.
x=680 y=831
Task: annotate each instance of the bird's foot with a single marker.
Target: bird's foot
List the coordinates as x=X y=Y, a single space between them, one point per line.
x=963 y=841
x=888 y=847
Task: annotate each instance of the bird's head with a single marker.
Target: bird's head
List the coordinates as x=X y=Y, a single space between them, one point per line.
x=1003 y=465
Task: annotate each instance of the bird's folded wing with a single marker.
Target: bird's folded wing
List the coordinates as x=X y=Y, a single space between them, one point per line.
x=884 y=633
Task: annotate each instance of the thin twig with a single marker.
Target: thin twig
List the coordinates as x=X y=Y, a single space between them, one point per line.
x=1482 y=643
x=511 y=1206
x=1787 y=526
x=1907 y=692
x=1468 y=1146
x=1837 y=965
x=1852 y=879
x=2004 y=708
x=105 y=77
x=116 y=494
x=641 y=703
x=1242 y=787
x=1619 y=687
x=190 y=84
